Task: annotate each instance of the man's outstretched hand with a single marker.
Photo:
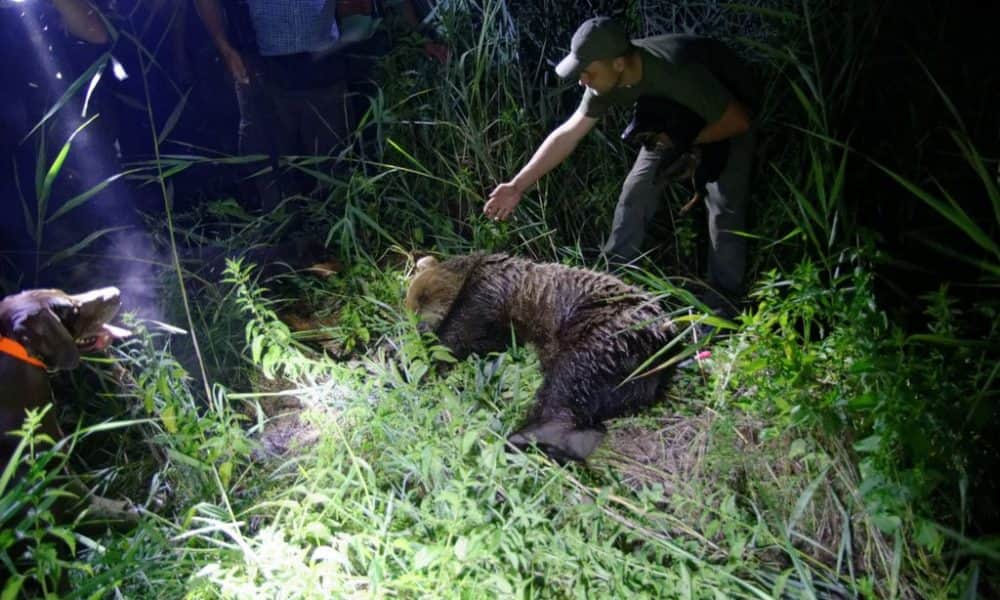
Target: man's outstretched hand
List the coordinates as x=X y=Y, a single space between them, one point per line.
x=502 y=201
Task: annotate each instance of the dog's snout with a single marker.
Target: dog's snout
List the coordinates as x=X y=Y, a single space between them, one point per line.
x=105 y=296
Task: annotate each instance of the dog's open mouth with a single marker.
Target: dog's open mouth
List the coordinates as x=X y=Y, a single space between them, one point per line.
x=86 y=317
x=101 y=339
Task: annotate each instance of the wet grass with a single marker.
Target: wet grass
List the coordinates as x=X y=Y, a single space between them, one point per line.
x=810 y=457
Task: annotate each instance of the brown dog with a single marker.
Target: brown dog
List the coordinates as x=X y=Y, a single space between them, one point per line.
x=43 y=330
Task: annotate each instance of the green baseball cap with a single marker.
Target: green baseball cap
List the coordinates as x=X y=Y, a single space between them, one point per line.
x=598 y=38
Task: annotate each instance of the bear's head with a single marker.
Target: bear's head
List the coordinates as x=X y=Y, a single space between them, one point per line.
x=433 y=290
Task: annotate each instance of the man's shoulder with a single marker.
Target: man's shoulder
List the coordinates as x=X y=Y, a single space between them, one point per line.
x=678 y=48
x=677 y=38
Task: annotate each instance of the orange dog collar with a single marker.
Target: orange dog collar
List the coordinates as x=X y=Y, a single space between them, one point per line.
x=15 y=349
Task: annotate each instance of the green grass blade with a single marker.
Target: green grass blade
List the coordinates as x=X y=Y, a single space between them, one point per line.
x=74 y=87
x=56 y=167
x=174 y=117
x=87 y=195
x=949 y=210
x=77 y=247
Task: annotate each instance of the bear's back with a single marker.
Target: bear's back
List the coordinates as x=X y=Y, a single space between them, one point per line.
x=559 y=308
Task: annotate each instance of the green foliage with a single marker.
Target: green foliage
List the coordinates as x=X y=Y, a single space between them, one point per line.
x=822 y=450
x=414 y=494
x=205 y=442
x=270 y=342
x=31 y=538
x=815 y=358
x=366 y=302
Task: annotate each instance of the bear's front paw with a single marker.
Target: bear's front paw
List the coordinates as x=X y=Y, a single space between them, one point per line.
x=560 y=440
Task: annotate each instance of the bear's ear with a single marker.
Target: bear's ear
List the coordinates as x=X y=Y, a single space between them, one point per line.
x=425 y=263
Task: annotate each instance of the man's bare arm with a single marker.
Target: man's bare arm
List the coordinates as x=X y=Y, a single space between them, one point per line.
x=82 y=20
x=734 y=121
x=557 y=146
x=215 y=22
x=554 y=150
x=211 y=15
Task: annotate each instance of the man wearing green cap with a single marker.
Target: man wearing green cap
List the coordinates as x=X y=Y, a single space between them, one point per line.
x=699 y=73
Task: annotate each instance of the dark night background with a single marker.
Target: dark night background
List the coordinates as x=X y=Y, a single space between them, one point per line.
x=887 y=109
x=892 y=114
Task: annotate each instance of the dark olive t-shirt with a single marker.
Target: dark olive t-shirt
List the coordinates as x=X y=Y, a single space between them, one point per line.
x=700 y=73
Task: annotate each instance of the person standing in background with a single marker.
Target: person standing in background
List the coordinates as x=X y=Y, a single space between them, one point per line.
x=290 y=85
x=305 y=76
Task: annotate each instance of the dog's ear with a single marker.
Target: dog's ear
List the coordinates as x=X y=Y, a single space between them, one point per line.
x=43 y=334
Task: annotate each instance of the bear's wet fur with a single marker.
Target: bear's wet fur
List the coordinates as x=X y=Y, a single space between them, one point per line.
x=591 y=332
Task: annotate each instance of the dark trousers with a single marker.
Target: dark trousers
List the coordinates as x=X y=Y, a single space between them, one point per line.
x=277 y=122
x=727 y=215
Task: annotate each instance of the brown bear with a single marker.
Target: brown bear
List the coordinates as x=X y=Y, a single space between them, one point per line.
x=591 y=332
